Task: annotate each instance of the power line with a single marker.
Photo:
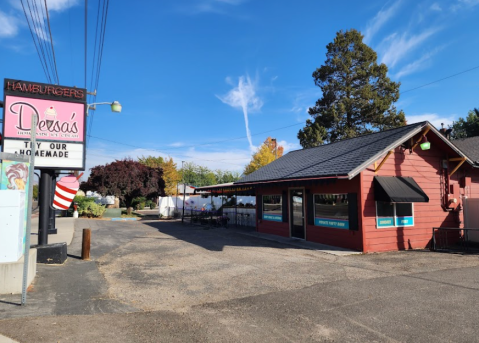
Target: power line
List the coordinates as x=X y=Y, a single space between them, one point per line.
x=34 y=41
x=444 y=78
x=51 y=42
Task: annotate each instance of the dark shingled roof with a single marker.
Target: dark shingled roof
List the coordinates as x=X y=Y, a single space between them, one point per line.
x=469 y=146
x=341 y=158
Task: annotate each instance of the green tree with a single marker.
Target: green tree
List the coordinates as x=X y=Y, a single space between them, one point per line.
x=357 y=96
x=151 y=161
x=223 y=176
x=195 y=175
x=266 y=154
x=468 y=127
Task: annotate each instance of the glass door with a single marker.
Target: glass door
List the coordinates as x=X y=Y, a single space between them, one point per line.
x=297 y=213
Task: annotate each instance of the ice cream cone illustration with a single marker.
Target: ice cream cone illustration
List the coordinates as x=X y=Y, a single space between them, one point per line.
x=65 y=191
x=50 y=116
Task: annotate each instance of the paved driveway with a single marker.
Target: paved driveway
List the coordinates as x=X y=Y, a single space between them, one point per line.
x=161 y=281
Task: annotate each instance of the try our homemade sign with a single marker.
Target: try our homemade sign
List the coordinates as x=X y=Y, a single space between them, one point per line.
x=61 y=120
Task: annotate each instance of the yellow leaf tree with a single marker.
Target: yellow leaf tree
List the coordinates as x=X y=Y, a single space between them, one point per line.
x=171 y=176
x=266 y=154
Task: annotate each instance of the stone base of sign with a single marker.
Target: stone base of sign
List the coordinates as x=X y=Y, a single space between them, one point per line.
x=112 y=213
x=11 y=274
x=52 y=253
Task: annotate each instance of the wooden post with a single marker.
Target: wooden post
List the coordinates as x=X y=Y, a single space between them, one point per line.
x=85 y=249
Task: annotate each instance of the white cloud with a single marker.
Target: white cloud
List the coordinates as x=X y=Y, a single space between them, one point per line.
x=434 y=118
x=397 y=47
x=244 y=97
x=8 y=25
x=418 y=64
x=436 y=7
x=211 y=6
x=176 y=144
x=464 y=4
x=379 y=20
x=289 y=146
x=60 y=5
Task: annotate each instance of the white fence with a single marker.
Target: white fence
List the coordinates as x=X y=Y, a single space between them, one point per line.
x=168 y=205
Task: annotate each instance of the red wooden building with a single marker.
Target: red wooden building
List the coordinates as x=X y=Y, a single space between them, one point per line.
x=378 y=192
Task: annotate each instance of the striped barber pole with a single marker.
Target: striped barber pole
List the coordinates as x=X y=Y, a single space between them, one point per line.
x=65 y=191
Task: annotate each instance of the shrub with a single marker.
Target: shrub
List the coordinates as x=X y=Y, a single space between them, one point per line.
x=87 y=207
x=138 y=203
x=91 y=210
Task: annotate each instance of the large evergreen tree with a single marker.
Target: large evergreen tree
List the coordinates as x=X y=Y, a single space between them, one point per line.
x=358 y=97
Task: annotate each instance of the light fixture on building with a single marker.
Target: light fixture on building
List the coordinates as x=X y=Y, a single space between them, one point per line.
x=425 y=144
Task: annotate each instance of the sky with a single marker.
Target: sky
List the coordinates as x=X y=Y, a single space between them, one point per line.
x=207 y=81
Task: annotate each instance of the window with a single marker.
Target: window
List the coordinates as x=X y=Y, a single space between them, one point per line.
x=272 y=208
x=331 y=210
x=394 y=214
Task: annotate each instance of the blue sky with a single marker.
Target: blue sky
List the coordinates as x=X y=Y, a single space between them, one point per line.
x=188 y=73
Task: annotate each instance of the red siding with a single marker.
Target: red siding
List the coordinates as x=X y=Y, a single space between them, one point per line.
x=426 y=168
x=336 y=237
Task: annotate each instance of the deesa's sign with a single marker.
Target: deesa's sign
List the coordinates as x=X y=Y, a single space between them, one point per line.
x=61 y=119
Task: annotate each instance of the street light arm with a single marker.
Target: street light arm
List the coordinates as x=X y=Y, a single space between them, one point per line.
x=115 y=106
x=99 y=103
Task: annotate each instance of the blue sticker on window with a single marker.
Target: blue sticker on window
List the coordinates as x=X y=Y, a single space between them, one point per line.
x=273 y=217
x=385 y=222
x=334 y=223
x=404 y=221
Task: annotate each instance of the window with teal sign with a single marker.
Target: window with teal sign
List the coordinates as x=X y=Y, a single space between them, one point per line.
x=272 y=208
x=394 y=214
x=331 y=210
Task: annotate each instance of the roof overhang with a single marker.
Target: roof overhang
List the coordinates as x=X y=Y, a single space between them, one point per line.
x=296 y=179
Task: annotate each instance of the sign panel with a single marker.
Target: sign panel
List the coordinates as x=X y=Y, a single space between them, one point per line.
x=57 y=120
x=49 y=154
x=334 y=223
x=14 y=176
x=61 y=119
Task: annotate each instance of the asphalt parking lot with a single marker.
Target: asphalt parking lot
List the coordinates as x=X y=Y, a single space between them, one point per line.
x=155 y=281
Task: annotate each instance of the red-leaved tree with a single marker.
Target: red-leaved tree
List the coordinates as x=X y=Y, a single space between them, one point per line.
x=126 y=179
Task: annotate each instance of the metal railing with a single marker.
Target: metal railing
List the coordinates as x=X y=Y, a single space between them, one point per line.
x=206 y=218
x=455 y=239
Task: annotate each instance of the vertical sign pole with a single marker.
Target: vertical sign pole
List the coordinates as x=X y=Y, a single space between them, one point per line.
x=184 y=191
x=26 y=254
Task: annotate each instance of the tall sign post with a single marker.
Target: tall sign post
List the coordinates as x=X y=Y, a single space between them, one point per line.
x=60 y=133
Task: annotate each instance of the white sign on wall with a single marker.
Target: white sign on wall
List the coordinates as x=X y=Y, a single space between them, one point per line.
x=48 y=154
